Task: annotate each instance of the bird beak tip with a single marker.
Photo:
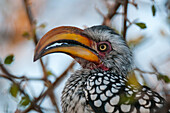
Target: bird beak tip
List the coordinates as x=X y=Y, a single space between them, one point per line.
x=36 y=57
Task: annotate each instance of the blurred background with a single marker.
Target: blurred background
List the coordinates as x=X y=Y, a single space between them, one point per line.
x=150 y=45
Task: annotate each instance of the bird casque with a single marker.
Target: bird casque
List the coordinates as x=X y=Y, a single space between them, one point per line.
x=102 y=85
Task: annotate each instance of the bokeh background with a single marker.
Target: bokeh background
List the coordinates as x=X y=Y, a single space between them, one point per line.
x=149 y=46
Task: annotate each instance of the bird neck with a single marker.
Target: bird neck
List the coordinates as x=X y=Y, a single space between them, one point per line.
x=103 y=67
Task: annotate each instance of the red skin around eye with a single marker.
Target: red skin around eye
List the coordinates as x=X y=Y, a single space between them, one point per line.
x=103 y=54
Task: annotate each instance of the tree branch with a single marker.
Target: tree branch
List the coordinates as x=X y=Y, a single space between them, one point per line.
x=125 y=19
x=51 y=87
x=33 y=31
x=111 y=13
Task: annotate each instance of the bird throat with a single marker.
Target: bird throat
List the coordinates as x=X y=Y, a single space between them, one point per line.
x=103 y=67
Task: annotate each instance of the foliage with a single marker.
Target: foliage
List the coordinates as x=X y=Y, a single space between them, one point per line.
x=14 y=90
x=153 y=10
x=24 y=101
x=141 y=25
x=9 y=59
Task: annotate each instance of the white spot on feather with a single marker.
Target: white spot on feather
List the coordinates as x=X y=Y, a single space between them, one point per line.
x=97 y=103
x=115 y=100
x=92 y=91
x=159 y=105
x=103 y=97
x=103 y=87
x=97 y=82
x=105 y=82
x=98 y=90
x=148 y=105
x=108 y=93
x=146 y=97
x=108 y=107
x=100 y=74
x=91 y=83
x=130 y=92
x=144 y=110
x=93 y=96
x=126 y=89
x=89 y=87
x=142 y=101
x=156 y=99
x=106 y=78
x=134 y=110
x=114 y=90
x=125 y=108
x=112 y=80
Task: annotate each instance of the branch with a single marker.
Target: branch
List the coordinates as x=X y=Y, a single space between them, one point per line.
x=8 y=74
x=51 y=87
x=112 y=11
x=22 y=91
x=33 y=31
x=125 y=19
x=53 y=98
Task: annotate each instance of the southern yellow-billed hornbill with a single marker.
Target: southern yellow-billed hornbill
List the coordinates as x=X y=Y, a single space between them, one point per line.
x=102 y=85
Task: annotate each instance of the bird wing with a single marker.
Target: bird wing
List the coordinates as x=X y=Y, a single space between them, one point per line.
x=109 y=93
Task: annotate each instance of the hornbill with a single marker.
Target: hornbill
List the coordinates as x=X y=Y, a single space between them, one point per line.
x=103 y=84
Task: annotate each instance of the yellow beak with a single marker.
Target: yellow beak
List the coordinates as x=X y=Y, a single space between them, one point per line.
x=69 y=40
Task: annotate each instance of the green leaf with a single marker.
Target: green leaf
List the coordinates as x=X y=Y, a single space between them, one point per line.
x=9 y=59
x=26 y=34
x=25 y=101
x=153 y=10
x=42 y=26
x=165 y=78
x=14 y=90
x=141 y=25
x=49 y=73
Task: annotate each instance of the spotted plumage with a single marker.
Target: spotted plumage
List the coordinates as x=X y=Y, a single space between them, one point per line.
x=106 y=92
x=103 y=84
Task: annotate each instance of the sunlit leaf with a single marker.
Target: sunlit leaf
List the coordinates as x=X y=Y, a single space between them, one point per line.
x=165 y=78
x=14 y=90
x=141 y=25
x=42 y=26
x=9 y=59
x=26 y=34
x=25 y=101
x=133 y=80
x=135 y=42
x=49 y=73
x=153 y=10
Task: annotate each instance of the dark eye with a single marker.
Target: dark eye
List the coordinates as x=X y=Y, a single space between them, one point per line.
x=103 y=47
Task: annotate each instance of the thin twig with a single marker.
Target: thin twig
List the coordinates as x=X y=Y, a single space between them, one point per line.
x=125 y=19
x=12 y=76
x=146 y=72
x=21 y=90
x=112 y=11
x=53 y=97
x=51 y=87
x=33 y=31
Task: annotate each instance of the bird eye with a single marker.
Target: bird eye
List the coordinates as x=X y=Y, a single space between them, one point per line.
x=103 y=47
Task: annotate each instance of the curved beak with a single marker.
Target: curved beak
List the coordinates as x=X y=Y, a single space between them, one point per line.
x=69 y=40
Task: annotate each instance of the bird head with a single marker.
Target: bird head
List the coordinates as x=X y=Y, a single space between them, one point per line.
x=97 y=47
